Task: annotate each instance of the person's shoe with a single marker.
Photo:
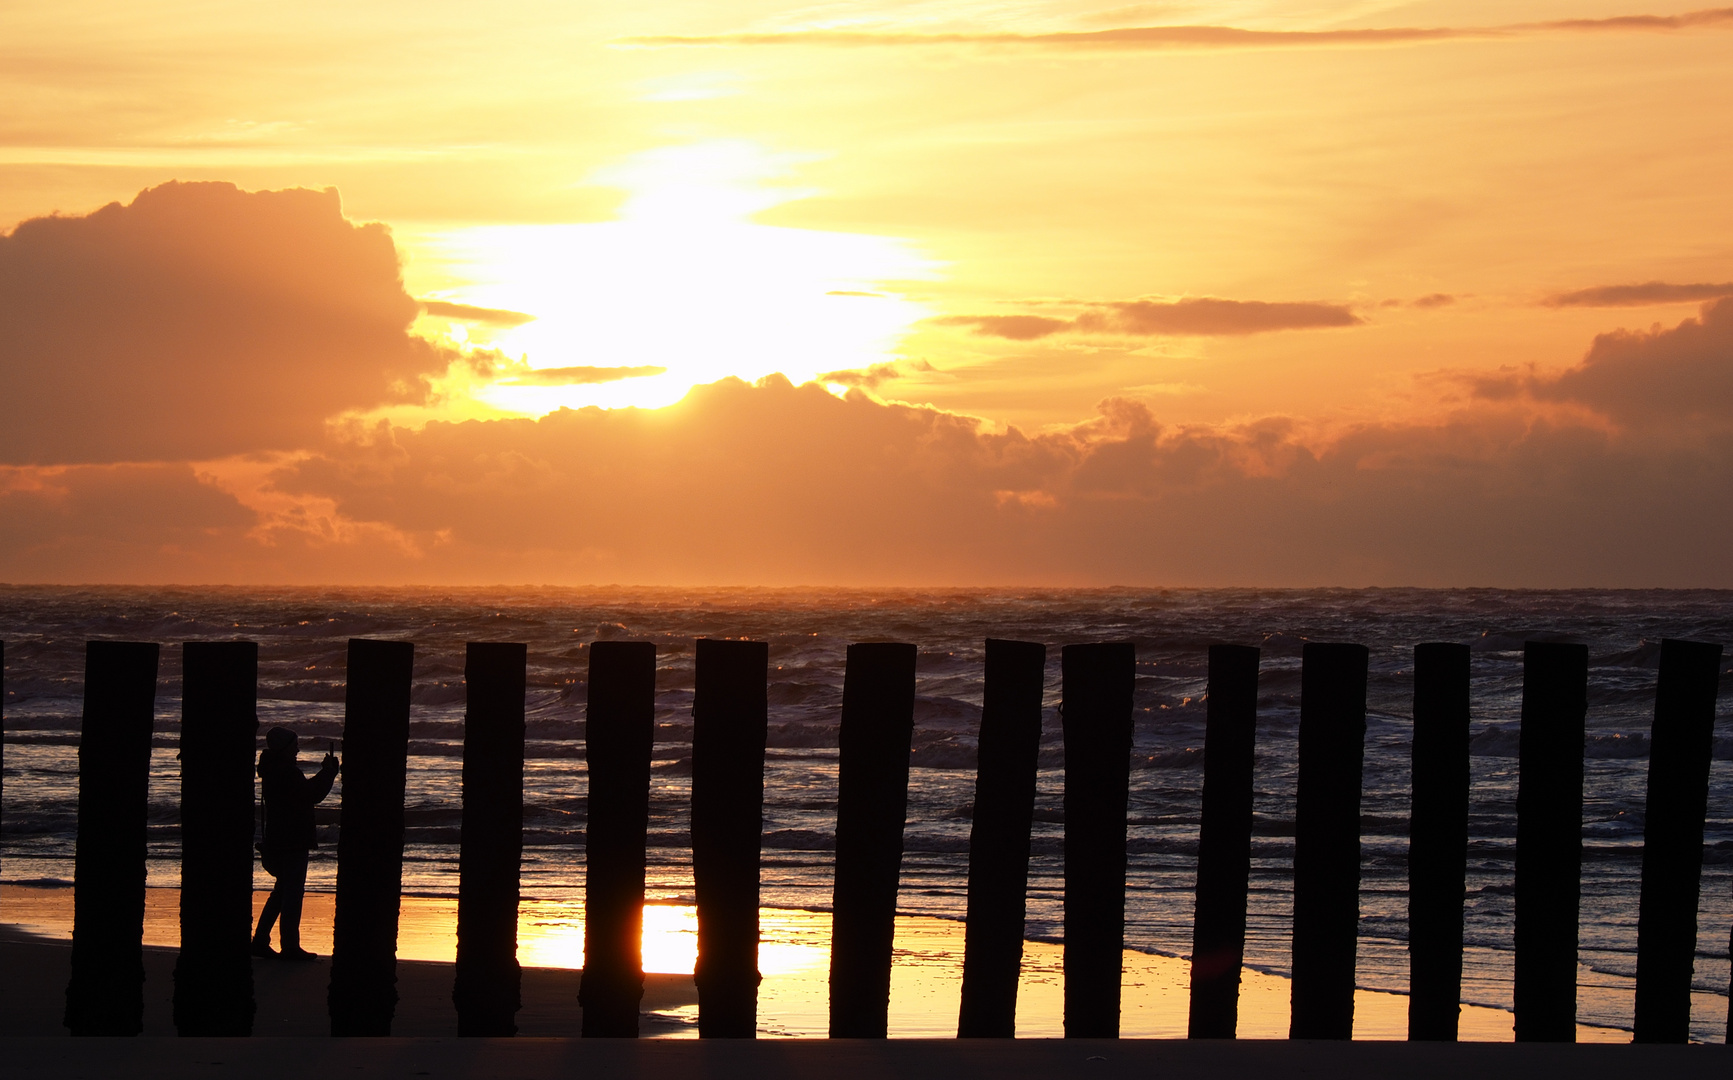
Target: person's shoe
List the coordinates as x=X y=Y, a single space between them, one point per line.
x=263 y=948
x=298 y=953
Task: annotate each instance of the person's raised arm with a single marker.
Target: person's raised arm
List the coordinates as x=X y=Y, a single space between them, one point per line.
x=320 y=785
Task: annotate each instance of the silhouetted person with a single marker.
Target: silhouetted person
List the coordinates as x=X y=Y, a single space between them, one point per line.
x=289 y=836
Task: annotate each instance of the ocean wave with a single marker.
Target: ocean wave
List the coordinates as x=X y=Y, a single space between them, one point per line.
x=945 y=754
x=1190 y=757
x=798 y=840
x=794 y=736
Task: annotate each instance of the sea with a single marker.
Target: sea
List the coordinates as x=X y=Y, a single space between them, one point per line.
x=302 y=635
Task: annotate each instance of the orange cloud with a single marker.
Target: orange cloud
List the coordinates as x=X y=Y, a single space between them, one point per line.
x=470 y=313
x=196 y=322
x=119 y=523
x=1678 y=381
x=1192 y=316
x=1009 y=327
x=871 y=378
x=1196 y=37
x=578 y=376
x=1650 y=292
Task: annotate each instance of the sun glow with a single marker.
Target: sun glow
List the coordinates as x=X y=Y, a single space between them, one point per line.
x=551 y=934
x=684 y=281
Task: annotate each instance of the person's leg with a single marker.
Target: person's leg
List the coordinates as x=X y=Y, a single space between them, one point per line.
x=268 y=919
x=293 y=884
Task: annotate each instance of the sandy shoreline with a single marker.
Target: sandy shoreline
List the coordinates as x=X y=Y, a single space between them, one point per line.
x=36 y=922
x=291 y=997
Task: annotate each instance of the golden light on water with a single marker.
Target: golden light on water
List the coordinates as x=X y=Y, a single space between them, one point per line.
x=684 y=280
x=551 y=934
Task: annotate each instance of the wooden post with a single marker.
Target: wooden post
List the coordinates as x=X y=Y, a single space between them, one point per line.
x=363 y=995
x=1681 y=744
x=219 y=730
x=1010 y=743
x=1224 y=852
x=488 y=980
x=878 y=727
x=730 y=712
x=1549 y=839
x=1097 y=711
x=106 y=993
x=620 y=730
x=1327 y=839
x=1437 y=840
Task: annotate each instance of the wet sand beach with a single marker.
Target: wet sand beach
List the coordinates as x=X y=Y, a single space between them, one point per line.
x=36 y=922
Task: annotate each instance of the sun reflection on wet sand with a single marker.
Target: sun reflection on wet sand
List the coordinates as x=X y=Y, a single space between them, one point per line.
x=926 y=977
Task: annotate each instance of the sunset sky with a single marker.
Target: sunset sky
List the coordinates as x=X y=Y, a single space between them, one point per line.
x=1237 y=292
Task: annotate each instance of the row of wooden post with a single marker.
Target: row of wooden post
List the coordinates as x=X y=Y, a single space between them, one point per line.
x=213 y=991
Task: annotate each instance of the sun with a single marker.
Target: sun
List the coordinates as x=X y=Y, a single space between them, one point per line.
x=683 y=288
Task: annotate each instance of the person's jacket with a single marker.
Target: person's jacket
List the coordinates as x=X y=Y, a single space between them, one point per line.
x=289 y=800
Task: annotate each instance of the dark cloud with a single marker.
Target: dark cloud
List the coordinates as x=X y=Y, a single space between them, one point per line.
x=1435 y=300
x=199 y=321
x=578 y=376
x=469 y=313
x=1678 y=381
x=1650 y=292
x=1196 y=37
x=1199 y=316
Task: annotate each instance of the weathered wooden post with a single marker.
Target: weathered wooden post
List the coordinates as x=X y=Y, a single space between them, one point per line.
x=620 y=727
x=106 y=993
x=1327 y=839
x=1097 y=710
x=878 y=725
x=488 y=980
x=219 y=730
x=363 y=994
x=730 y=714
x=1681 y=745
x=1549 y=839
x=1010 y=744
x=1224 y=853
x=1437 y=840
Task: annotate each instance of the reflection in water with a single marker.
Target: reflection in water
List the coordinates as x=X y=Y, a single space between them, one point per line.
x=793 y=1002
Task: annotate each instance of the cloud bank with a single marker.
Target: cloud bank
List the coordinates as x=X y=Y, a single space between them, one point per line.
x=196 y=322
x=781 y=484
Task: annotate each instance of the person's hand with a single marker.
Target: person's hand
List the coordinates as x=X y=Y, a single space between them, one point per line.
x=331 y=762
